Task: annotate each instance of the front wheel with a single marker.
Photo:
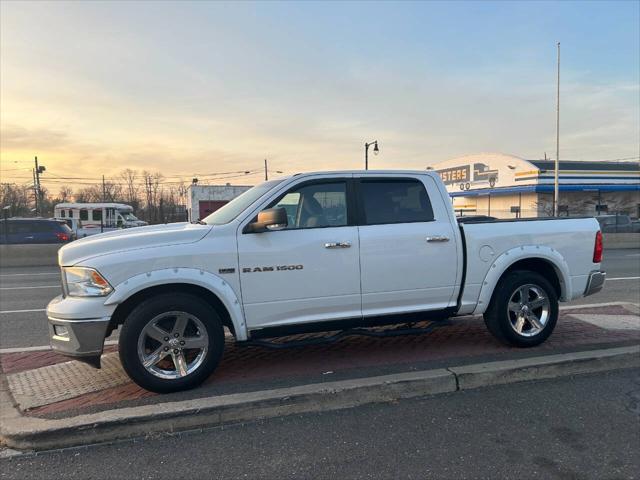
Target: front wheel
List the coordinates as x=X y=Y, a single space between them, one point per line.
x=524 y=309
x=171 y=342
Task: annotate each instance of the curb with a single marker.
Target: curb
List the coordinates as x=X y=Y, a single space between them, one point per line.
x=21 y=432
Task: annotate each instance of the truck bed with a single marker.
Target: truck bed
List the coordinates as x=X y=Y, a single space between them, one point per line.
x=568 y=240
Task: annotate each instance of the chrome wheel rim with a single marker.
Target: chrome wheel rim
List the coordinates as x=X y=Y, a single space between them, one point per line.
x=173 y=345
x=528 y=310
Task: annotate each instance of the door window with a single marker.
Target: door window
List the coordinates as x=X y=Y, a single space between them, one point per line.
x=315 y=205
x=394 y=201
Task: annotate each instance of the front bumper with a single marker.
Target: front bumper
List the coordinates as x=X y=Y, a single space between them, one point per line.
x=78 y=338
x=595 y=283
x=78 y=327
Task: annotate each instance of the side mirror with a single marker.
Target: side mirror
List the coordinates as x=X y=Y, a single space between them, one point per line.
x=269 y=219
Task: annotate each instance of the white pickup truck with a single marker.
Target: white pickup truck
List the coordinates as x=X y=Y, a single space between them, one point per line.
x=313 y=252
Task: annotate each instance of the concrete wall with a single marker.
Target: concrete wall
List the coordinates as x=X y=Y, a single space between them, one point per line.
x=29 y=255
x=621 y=240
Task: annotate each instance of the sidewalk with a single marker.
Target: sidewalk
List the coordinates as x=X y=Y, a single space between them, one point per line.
x=46 y=385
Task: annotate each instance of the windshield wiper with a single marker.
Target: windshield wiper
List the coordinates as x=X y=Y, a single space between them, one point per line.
x=199 y=222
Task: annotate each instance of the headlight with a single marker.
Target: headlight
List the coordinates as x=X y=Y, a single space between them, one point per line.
x=85 y=282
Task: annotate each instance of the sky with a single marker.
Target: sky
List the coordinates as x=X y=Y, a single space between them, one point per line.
x=197 y=88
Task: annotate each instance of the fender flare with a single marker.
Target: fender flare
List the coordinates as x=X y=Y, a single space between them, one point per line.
x=216 y=285
x=508 y=258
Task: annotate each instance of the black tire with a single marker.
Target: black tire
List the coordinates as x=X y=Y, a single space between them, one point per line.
x=149 y=309
x=498 y=319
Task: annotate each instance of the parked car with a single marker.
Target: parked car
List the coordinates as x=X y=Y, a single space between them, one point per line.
x=34 y=230
x=616 y=224
x=350 y=249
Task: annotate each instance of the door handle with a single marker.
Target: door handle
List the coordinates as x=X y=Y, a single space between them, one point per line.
x=337 y=245
x=437 y=238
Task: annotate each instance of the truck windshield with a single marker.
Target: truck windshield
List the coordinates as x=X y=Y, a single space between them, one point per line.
x=235 y=207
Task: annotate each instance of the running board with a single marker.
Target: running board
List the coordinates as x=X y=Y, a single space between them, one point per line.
x=409 y=329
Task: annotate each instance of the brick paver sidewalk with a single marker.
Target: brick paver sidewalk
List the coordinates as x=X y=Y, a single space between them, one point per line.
x=41 y=389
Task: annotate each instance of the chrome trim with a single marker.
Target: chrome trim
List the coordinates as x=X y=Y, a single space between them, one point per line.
x=437 y=238
x=337 y=245
x=595 y=283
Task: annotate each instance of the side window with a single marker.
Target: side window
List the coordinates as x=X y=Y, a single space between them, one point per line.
x=84 y=214
x=42 y=227
x=97 y=215
x=316 y=205
x=394 y=201
x=21 y=228
x=62 y=213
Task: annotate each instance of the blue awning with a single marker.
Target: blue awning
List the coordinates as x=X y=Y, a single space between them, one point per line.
x=630 y=187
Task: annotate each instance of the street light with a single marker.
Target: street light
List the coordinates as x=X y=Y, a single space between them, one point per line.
x=376 y=150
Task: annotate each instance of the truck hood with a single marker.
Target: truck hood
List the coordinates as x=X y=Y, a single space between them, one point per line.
x=130 y=239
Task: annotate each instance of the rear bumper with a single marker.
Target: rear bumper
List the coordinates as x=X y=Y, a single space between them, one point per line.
x=595 y=283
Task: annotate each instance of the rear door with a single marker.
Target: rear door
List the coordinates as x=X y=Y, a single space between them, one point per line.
x=309 y=271
x=408 y=255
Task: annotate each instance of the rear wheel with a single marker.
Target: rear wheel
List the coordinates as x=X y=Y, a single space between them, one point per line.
x=171 y=342
x=524 y=309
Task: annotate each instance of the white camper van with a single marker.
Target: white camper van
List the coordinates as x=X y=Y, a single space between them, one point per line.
x=91 y=218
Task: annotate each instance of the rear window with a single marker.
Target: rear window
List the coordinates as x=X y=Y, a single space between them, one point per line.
x=394 y=201
x=63 y=226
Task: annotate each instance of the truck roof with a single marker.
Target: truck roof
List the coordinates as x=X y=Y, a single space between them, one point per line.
x=360 y=172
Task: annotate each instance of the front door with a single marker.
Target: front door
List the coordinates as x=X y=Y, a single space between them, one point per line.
x=407 y=247
x=308 y=271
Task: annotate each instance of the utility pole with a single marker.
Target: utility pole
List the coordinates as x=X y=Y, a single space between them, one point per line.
x=39 y=169
x=266 y=171
x=35 y=192
x=555 y=181
x=103 y=209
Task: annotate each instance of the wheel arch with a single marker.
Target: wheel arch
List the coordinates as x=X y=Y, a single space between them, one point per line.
x=205 y=285
x=546 y=261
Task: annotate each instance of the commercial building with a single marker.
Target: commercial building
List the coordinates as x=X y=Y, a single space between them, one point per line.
x=506 y=186
x=205 y=199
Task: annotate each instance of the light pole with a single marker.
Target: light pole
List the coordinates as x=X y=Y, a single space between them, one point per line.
x=266 y=170
x=556 y=200
x=376 y=150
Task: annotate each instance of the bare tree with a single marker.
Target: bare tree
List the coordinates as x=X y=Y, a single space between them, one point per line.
x=16 y=197
x=130 y=188
x=65 y=195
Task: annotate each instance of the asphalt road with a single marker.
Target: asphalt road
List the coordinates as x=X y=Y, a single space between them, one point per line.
x=25 y=292
x=570 y=428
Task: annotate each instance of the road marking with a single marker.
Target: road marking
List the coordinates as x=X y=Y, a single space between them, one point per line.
x=603 y=304
x=41 y=348
x=29 y=288
x=624 y=278
x=24 y=311
x=26 y=274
